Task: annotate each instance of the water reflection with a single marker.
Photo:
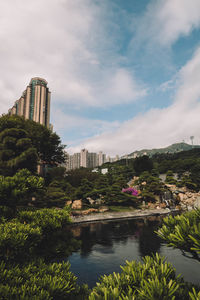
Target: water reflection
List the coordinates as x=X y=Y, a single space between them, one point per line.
x=107 y=245
x=109 y=233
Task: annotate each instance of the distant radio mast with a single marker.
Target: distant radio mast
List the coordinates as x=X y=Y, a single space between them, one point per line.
x=192 y=138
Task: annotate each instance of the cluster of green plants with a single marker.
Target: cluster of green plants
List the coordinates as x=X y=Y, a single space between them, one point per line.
x=23 y=236
x=34 y=218
x=153 y=278
x=28 y=243
x=84 y=184
x=183 y=232
x=39 y=281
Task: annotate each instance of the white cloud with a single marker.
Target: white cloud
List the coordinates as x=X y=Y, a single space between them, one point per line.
x=166 y=20
x=159 y=127
x=84 y=126
x=175 y=18
x=67 y=43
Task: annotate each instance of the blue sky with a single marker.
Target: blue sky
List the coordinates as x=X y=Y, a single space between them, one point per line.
x=124 y=74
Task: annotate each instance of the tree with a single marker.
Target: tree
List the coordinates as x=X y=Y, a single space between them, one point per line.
x=150 y=186
x=54 y=196
x=170 y=177
x=47 y=144
x=143 y=163
x=19 y=189
x=16 y=151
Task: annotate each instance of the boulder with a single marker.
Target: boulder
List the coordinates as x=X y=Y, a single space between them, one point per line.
x=103 y=209
x=77 y=204
x=69 y=203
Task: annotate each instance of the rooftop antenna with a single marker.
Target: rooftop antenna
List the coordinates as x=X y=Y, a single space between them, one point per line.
x=192 y=138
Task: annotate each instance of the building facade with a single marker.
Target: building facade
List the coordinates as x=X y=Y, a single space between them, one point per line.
x=34 y=104
x=86 y=159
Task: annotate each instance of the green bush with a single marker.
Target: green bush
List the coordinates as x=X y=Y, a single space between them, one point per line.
x=23 y=237
x=6 y=212
x=18 y=240
x=39 y=281
x=183 y=232
x=153 y=279
x=47 y=219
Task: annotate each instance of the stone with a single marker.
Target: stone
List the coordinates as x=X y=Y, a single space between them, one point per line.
x=68 y=202
x=103 y=209
x=77 y=204
x=181 y=196
x=89 y=211
x=90 y=200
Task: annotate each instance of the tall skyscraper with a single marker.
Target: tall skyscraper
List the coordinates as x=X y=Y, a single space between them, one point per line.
x=92 y=160
x=84 y=158
x=34 y=104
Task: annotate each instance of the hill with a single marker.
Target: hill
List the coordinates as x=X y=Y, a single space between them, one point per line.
x=174 y=148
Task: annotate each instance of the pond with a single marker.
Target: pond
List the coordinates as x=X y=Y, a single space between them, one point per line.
x=107 y=245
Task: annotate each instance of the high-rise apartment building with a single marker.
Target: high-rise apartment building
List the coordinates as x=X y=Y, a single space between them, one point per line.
x=92 y=160
x=85 y=159
x=34 y=104
x=101 y=158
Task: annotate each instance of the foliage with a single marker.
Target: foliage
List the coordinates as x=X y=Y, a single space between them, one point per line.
x=16 y=151
x=152 y=279
x=183 y=232
x=47 y=219
x=150 y=186
x=74 y=177
x=56 y=173
x=142 y=163
x=6 y=213
x=170 y=177
x=19 y=189
x=17 y=240
x=21 y=238
x=45 y=144
x=54 y=196
x=39 y=281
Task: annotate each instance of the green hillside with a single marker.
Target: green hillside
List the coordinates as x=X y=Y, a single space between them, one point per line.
x=178 y=147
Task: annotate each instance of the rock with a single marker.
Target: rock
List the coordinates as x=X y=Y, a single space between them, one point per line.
x=89 y=211
x=189 y=207
x=103 y=209
x=77 y=204
x=99 y=201
x=90 y=200
x=68 y=203
x=181 y=196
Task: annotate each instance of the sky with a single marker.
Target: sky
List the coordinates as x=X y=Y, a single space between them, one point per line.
x=124 y=75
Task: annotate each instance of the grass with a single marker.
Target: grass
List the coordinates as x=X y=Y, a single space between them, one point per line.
x=120 y=208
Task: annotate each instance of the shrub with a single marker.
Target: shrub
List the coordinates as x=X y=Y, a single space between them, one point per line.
x=47 y=219
x=152 y=279
x=18 y=240
x=39 y=281
x=182 y=232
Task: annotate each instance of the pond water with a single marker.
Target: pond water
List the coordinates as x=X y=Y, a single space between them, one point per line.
x=107 y=245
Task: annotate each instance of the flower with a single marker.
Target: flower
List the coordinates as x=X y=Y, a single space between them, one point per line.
x=131 y=191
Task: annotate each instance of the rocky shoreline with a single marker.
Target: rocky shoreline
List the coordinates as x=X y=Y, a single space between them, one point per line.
x=106 y=216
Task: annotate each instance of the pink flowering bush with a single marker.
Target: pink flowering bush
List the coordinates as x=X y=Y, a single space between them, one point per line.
x=130 y=191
